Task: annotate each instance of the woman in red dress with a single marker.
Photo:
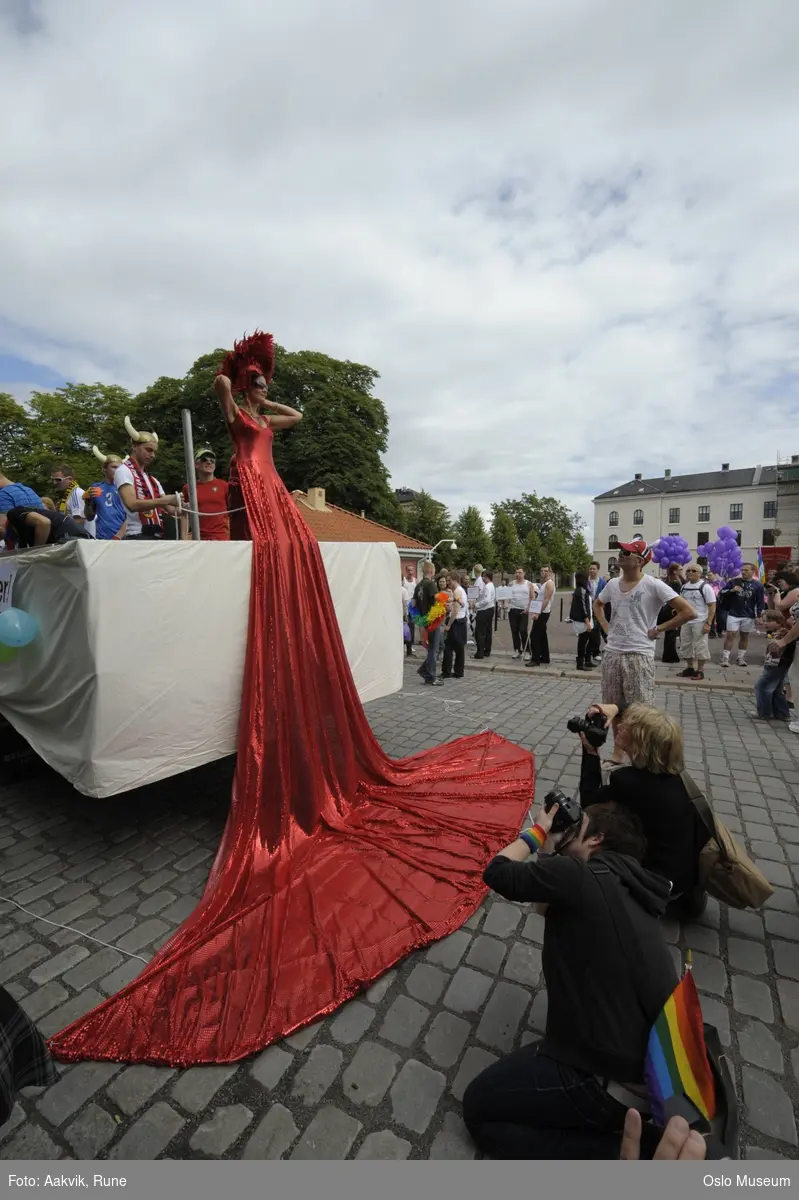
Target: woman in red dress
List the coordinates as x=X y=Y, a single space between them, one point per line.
x=336 y=861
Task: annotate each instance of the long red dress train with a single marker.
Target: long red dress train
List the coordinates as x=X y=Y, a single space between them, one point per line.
x=336 y=861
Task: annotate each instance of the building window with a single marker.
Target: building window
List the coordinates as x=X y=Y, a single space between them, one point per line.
x=704 y=512
x=613 y=542
x=613 y=518
x=736 y=512
x=769 y=510
x=674 y=516
x=769 y=538
x=638 y=516
x=613 y=563
x=702 y=537
x=738 y=536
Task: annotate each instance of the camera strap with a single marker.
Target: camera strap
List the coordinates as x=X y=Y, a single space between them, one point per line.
x=706 y=815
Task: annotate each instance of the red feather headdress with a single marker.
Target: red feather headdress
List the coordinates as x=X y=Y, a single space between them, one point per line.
x=253 y=355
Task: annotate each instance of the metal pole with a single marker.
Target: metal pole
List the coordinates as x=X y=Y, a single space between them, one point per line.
x=191 y=478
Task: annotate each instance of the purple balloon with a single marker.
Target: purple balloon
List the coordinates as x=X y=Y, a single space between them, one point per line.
x=725 y=532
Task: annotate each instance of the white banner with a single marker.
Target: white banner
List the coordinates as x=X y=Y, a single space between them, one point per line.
x=504 y=593
x=8 y=573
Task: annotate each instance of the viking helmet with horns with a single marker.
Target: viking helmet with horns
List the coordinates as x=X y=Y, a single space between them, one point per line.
x=140 y=437
x=114 y=459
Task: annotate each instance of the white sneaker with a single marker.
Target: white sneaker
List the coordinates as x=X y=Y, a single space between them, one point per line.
x=725 y=660
x=794 y=726
x=741 y=661
x=516 y=655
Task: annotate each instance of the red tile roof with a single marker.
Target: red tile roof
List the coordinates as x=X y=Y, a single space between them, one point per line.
x=334 y=524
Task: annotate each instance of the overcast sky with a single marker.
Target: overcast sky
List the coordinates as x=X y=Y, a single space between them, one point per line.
x=564 y=231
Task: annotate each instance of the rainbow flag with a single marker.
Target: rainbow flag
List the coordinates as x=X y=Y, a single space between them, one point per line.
x=761 y=566
x=676 y=1061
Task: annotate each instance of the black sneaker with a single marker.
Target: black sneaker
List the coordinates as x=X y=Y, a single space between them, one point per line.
x=688 y=673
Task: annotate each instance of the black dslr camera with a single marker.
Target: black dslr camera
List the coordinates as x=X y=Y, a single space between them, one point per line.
x=569 y=816
x=593 y=725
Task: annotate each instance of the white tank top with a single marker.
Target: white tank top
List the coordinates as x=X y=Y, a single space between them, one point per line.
x=520 y=595
x=548 y=606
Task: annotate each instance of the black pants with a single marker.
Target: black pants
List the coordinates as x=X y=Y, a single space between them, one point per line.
x=518 y=628
x=484 y=631
x=454 y=647
x=595 y=642
x=670 y=654
x=530 y=1106
x=583 y=643
x=539 y=641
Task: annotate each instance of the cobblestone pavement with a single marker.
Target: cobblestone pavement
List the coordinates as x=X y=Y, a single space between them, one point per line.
x=383 y=1077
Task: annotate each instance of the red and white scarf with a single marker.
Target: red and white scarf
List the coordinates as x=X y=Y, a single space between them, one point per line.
x=147 y=488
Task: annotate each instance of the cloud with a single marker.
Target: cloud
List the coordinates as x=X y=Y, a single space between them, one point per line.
x=561 y=230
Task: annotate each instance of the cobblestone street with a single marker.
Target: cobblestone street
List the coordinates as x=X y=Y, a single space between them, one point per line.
x=382 y=1077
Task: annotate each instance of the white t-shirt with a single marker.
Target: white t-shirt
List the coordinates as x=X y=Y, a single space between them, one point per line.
x=487 y=597
x=699 y=596
x=408 y=587
x=460 y=596
x=75 y=509
x=520 y=595
x=124 y=475
x=634 y=613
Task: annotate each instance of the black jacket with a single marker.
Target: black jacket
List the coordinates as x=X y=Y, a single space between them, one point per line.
x=597 y=1018
x=424 y=595
x=582 y=605
x=674 y=830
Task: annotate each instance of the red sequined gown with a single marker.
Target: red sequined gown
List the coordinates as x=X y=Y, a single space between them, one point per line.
x=336 y=861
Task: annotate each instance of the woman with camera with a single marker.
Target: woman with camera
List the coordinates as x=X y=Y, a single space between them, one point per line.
x=651 y=787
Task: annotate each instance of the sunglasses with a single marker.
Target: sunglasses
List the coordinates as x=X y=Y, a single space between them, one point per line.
x=259 y=387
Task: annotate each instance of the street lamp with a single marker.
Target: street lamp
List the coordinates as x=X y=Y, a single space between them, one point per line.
x=443 y=542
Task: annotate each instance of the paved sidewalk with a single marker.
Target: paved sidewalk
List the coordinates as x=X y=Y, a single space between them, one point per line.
x=383 y=1077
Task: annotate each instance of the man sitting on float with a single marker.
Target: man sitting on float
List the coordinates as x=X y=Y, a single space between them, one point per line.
x=140 y=492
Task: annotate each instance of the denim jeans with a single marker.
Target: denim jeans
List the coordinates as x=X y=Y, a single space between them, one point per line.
x=530 y=1106
x=428 y=668
x=770 y=693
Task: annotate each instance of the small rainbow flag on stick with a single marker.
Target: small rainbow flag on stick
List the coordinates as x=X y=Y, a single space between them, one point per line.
x=761 y=566
x=676 y=1061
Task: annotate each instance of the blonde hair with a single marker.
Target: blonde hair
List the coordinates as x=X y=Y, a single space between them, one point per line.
x=654 y=740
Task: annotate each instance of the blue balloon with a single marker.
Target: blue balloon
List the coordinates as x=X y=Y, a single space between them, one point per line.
x=17 y=628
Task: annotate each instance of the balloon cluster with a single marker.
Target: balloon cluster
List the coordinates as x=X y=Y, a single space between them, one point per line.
x=17 y=629
x=671 y=549
x=723 y=556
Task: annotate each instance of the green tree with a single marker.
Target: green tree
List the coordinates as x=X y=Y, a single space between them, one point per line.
x=544 y=514
x=429 y=521
x=581 y=555
x=535 y=556
x=474 y=544
x=508 y=552
x=561 y=553
x=15 y=437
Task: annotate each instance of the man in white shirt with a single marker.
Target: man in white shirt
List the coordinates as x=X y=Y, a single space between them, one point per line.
x=140 y=492
x=694 y=646
x=71 y=497
x=455 y=631
x=484 y=619
x=409 y=582
x=628 y=666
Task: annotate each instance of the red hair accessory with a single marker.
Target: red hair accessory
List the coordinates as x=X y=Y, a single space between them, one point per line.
x=253 y=355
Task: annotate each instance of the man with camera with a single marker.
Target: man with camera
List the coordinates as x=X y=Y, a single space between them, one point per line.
x=567 y=1096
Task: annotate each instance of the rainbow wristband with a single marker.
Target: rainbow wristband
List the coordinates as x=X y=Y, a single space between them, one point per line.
x=534 y=838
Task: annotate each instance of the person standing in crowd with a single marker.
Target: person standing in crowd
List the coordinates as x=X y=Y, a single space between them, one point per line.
x=484 y=620
x=628 y=667
x=522 y=594
x=782 y=643
x=102 y=504
x=596 y=582
x=770 y=697
x=567 y=1096
x=212 y=500
x=424 y=597
x=743 y=600
x=15 y=495
x=409 y=582
x=580 y=617
x=140 y=492
x=675 y=581
x=539 y=638
x=455 y=632
x=694 y=634
x=71 y=494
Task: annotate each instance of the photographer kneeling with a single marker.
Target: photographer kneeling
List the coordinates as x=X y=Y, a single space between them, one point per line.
x=567 y=1096
x=652 y=788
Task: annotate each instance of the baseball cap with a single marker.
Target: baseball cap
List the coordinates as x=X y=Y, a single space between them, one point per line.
x=204 y=452
x=638 y=547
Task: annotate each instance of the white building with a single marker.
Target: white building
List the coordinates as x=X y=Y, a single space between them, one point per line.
x=759 y=503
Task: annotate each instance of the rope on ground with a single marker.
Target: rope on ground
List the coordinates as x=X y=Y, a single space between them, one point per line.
x=72 y=929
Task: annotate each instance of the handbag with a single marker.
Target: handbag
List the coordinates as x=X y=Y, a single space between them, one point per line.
x=725 y=869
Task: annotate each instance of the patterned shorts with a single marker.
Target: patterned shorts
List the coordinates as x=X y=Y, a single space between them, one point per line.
x=627 y=678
